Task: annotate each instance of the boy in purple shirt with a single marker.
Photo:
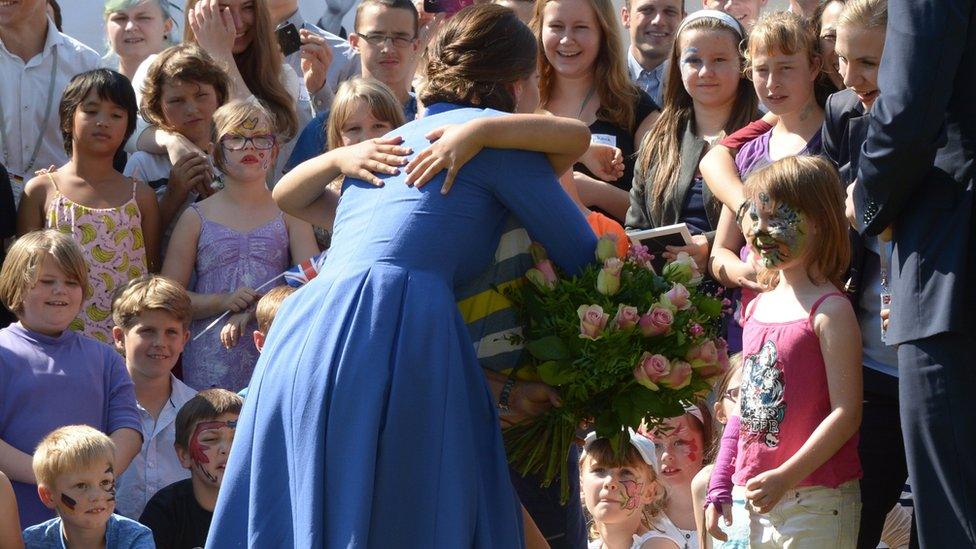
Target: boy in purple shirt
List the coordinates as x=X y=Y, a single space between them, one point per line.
x=51 y=376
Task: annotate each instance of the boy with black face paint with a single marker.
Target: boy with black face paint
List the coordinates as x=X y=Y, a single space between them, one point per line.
x=75 y=472
x=180 y=514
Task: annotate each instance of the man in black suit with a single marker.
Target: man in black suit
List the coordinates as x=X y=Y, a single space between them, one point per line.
x=916 y=176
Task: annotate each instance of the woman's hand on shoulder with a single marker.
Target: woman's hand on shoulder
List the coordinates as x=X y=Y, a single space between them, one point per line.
x=452 y=146
x=383 y=156
x=213 y=27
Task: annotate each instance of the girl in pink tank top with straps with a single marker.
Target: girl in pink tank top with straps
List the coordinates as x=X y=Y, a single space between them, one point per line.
x=795 y=459
x=114 y=218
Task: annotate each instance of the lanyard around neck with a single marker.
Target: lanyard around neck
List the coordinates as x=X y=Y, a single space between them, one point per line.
x=40 y=130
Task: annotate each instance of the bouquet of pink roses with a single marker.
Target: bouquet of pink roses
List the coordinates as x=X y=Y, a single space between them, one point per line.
x=623 y=345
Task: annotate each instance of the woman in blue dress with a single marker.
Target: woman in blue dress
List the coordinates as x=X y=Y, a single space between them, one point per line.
x=369 y=422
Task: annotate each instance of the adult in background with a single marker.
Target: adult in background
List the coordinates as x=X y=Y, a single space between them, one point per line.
x=916 y=176
x=36 y=63
x=651 y=24
x=136 y=29
x=332 y=58
x=369 y=422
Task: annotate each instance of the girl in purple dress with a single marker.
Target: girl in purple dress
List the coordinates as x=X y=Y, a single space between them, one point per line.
x=233 y=242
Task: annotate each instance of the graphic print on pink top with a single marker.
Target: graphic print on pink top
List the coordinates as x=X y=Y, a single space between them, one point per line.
x=783 y=398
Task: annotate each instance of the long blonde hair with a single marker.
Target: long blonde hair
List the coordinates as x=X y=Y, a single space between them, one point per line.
x=661 y=147
x=618 y=95
x=261 y=65
x=865 y=14
x=811 y=185
x=380 y=101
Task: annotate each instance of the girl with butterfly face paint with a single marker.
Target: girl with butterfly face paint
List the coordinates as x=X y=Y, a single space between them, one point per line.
x=621 y=494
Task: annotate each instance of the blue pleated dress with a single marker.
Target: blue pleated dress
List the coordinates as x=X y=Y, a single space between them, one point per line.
x=369 y=422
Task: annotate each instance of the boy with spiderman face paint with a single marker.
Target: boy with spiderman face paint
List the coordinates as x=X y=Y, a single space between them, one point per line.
x=75 y=473
x=180 y=514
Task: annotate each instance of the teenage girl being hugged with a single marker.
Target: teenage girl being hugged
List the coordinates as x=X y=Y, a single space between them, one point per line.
x=583 y=75
x=240 y=36
x=784 y=65
x=714 y=99
x=233 y=242
x=114 y=218
x=800 y=396
x=622 y=494
x=183 y=88
x=364 y=110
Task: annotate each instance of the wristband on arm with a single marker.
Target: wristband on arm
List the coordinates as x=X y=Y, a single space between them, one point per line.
x=720 y=484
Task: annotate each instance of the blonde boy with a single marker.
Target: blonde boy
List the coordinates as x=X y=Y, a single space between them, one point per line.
x=266 y=310
x=75 y=470
x=152 y=315
x=180 y=514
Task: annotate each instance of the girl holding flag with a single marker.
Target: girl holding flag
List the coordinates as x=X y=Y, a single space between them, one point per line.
x=233 y=241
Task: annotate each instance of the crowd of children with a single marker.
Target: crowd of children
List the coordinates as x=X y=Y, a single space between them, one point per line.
x=120 y=389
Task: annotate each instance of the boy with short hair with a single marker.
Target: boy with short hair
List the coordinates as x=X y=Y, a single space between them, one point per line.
x=75 y=470
x=180 y=514
x=266 y=310
x=152 y=316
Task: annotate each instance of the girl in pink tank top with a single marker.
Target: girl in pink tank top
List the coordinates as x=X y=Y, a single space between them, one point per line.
x=796 y=458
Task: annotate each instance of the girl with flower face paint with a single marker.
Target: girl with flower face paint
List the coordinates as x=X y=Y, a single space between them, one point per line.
x=800 y=394
x=621 y=494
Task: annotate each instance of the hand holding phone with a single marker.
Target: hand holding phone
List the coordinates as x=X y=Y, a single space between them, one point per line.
x=289 y=39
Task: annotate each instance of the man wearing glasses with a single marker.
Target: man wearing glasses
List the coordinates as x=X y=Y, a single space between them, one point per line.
x=386 y=39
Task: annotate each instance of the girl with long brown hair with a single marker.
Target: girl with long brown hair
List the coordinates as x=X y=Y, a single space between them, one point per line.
x=583 y=75
x=709 y=99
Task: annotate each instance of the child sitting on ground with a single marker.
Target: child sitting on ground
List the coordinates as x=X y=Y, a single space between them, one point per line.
x=180 y=514
x=152 y=315
x=75 y=470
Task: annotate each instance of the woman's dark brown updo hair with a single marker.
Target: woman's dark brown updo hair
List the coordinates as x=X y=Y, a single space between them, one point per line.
x=478 y=53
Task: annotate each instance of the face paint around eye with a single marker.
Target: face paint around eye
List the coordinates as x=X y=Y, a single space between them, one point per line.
x=110 y=488
x=781 y=238
x=197 y=450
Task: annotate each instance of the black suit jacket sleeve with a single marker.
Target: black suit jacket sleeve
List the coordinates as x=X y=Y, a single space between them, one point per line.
x=923 y=47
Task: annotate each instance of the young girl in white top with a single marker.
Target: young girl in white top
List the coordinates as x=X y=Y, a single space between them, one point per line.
x=622 y=494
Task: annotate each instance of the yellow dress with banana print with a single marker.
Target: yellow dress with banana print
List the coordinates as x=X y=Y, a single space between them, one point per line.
x=114 y=248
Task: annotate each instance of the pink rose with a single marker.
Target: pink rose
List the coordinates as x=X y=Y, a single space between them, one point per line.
x=679 y=377
x=656 y=321
x=678 y=296
x=627 y=317
x=592 y=321
x=703 y=354
x=543 y=275
x=651 y=369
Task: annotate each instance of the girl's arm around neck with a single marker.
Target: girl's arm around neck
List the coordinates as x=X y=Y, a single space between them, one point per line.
x=721 y=175
x=840 y=342
x=16 y=464
x=724 y=263
x=563 y=140
x=301 y=239
x=149 y=211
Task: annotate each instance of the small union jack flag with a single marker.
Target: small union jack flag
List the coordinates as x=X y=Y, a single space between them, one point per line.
x=298 y=275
